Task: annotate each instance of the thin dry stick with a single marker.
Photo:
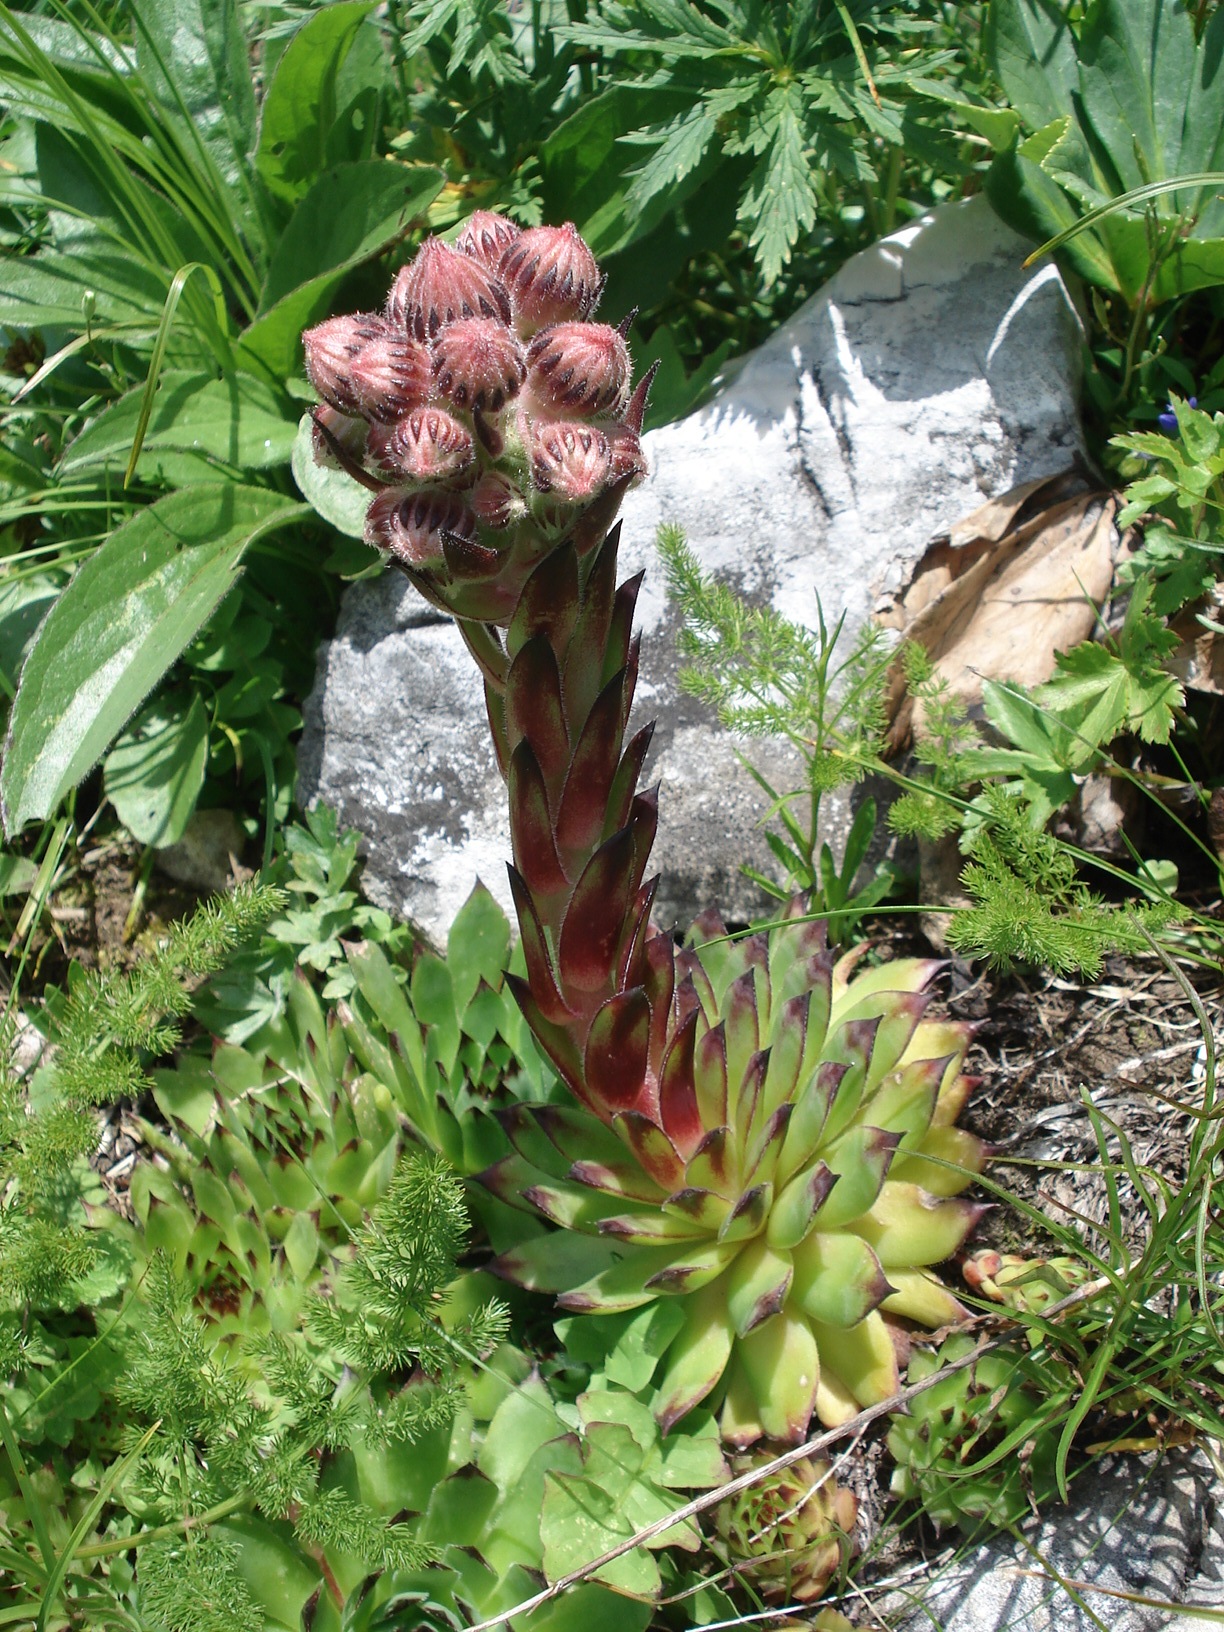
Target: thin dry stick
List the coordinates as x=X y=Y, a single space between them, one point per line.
x=711 y=1498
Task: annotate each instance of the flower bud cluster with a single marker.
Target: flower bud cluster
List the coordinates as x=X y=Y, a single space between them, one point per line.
x=482 y=397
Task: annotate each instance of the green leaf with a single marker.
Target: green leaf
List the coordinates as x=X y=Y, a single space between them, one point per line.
x=194 y=58
x=125 y=617
x=17 y=874
x=238 y=422
x=780 y=201
x=682 y=146
x=337 y=497
x=351 y=214
x=477 y=947
x=1032 y=50
x=154 y=773
x=300 y=108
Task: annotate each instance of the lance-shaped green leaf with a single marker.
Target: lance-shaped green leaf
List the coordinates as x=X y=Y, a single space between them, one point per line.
x=838 y=1279
x=794 y=1210
x=559 y=1260
x=917 y=1295
x=126 y=616
x=925 y=1166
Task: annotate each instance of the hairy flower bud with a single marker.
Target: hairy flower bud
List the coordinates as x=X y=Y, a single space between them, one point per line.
x=427 y=444
x=390 y=375
x=569 y=459
x=409 y=524
x=551 y=276
x=478 y=363
x=495 y=501
x=348 y=433
x=441 y=285
x=486 y=237
x=580 y=368
x=330 y=348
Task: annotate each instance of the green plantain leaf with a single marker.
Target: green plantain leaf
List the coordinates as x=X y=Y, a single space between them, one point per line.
x=237 y=422
x=125 y=617
x=300 y=109
x=193 y=56
x=154 y=773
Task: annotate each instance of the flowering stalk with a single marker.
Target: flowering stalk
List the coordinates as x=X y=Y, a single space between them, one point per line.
x=764 y=1133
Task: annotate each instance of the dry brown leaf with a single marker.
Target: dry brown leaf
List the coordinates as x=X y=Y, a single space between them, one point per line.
x=999 y=604
x=1199 y=661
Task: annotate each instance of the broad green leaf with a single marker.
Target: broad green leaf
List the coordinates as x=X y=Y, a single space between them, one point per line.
x=300 y=108
x=193 y=56
x=477 y=947
x=98 y=285
x=352 y=213
x=237 y=422
x=154 y=773
x=120 y=624
x=24 y=603
x=337 y=497
x=1032 y=50
x=17 y=874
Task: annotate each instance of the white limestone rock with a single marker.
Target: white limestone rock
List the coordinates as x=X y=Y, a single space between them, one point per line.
x=930 y=373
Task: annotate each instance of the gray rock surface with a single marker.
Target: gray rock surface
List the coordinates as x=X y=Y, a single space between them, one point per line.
x=930 y=373
x=1135 y=1526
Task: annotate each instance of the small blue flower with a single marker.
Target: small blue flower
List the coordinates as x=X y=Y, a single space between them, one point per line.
x=1168 y=420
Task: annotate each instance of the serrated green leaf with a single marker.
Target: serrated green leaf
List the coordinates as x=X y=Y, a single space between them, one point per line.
x=780 y=201
x=128 y=613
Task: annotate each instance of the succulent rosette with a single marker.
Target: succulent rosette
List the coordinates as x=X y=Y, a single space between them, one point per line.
x=787 y=1535
x=764 y=1133
x=789 y=1170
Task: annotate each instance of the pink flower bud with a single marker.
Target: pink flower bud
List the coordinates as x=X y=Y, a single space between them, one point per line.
x=551 y=276
x=478 y=363
x=486 y=237
x=570 y=459
x=330 y=348
x=410 y=523
x=428 y=444
x=442 y=285
x=625 y=451
x=580 y=367
x=495 y=501
x=350 y=434
x=390 y=375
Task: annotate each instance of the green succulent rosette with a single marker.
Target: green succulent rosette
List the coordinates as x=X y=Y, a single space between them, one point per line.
x=787 y=1535
x=790 y=1170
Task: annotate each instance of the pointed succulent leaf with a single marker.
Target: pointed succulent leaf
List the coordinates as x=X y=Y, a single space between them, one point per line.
x=704 y=1207
x=535 y=852
x=522 y=1127
x=650 y=1227
x=851 y=1045
x=857 y=991
x=691 y=1268
x=553 y=1262
x=696 y=1359
x=860 y=1162
x=964 y=1155
x=572 y=1206
x=838 y=1279
x=621 y=1178
x=678 y=1109
x=549 y=603
x=786 y=1048
x=642 y=826
x=616 y=1052
x=537 y=954
x=908 y=1227
x=807 y=1124
x=781 y=1360
x=510 y=1178
x=761 y=1163
x=905 y=1100
x=747 y=1217
x=595 y=918
x=710 y=1077
x=620 y=652
x=534 y=711
x=578 y=1134
x=582 y=817
x=835 y=1404
x=740 y=1418
x=581 y=679
x=756 y=1285
x=794 y=1210
x=748 y=1097
x=626 y=1283
x=739 y=1014
x=713 y=1164
x=652 y=1148
x=657 y=972
x=920 y=1296
x=628 y=774
x=864 y=1356
x=556 y=1041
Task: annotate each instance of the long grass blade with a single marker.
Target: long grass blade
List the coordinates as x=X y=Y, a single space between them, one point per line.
x=1127 y=201
x=174 y=294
